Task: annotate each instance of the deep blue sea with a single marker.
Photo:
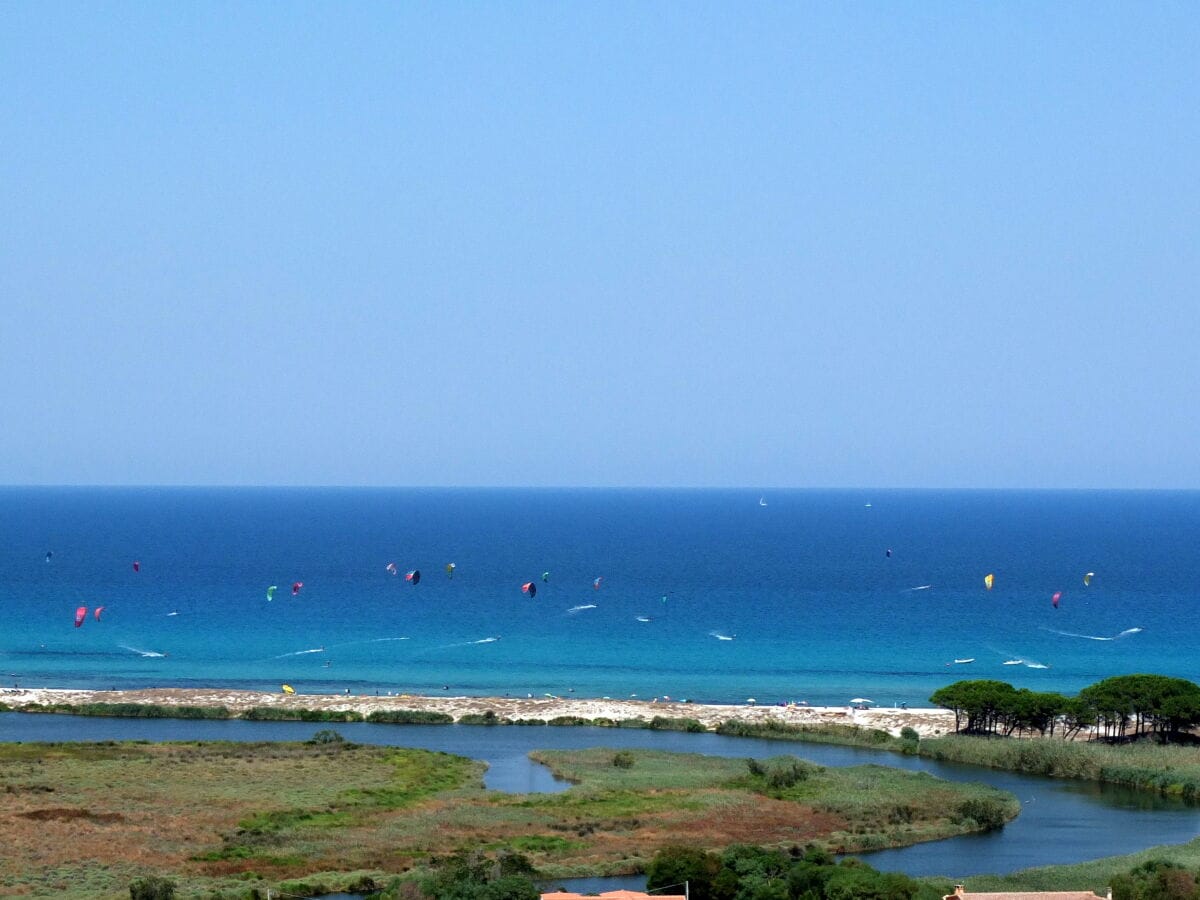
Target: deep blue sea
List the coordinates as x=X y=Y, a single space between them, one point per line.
x=813 y=606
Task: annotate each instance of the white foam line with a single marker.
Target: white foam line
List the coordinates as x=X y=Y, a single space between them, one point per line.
x=486 y=640
x=368 y=641
x=1092 y=637
x=146 y=653
x=300 y=653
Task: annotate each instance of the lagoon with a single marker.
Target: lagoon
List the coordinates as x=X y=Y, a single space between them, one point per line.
x=1061 y=821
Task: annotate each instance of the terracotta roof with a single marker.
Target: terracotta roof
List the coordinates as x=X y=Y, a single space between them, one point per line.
x=1026 y=895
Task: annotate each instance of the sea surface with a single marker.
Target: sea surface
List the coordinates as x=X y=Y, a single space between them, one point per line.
x=796 y=599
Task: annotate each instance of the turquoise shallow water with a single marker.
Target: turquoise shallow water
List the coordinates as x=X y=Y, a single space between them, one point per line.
x=815 y=608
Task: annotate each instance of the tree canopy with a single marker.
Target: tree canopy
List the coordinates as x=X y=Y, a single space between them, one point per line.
x=744 y=872
x=1124 y=706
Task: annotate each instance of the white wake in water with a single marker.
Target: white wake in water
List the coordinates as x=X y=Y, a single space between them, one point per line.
x=149 y=654
x=486 y=640
x=1092 y=637
x=300 y=653
x=369 y=641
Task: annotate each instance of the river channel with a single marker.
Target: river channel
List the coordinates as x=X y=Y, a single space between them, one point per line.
x=1060 y=822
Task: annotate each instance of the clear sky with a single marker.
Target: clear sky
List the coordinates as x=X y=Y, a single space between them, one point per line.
x=795 y=244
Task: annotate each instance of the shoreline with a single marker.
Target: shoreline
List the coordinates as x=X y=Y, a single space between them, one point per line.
x=928 y=722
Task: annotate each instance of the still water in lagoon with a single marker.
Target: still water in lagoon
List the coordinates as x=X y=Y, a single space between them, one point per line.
x=1060 y=821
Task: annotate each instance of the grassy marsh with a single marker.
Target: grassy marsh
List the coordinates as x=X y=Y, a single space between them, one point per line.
x=81 y=820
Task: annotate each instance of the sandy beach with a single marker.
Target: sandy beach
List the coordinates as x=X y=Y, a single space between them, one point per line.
x=927 y=722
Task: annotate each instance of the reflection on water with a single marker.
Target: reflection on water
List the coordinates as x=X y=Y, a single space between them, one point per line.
x=1060 y=821
x=1126 y=797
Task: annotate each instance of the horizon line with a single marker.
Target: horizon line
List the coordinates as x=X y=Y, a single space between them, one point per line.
x=583 y=487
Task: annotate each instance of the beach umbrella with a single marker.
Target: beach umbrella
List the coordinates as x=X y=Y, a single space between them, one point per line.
x=861 y=700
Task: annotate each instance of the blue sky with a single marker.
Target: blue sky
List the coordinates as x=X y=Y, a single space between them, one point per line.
x=600 y=244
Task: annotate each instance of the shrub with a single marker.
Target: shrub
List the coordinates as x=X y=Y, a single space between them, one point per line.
x=989 y=813
x=284 y=714
x=908 y=733
x=1155 y=879
x=569 y=720
x=676 y=864
x=786 y=772
x=623 y=759
x=326 y=736
x=151 y=887
x=410 y=717
x=780 y=773
x=665 y=723
x=487 y=718
x=131 y=710
x=365 y=884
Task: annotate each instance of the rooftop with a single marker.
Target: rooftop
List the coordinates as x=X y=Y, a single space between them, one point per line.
x=612 y=895
x=961 y=893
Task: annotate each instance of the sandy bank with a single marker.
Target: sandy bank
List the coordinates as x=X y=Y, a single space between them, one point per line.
x=927 y=722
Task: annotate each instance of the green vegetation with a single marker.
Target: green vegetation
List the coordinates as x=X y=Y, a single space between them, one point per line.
x=1156 y=880
x=845 y=735
x=227 y=819
x=256 y=713
x=1095 y=875
x=1154 y=705
x=508 y=876
x=1167 y=769
x=623 y=759
x=151 y=888
x=780 y=773
x=756 y=873
x=568 y=721
x=326 y=736
x=486 y=718
x=1172 y=770
x=292 y=714
x=410 y=717
x=666 y=723
x=87 y=820
x=129 y=710
x=856 y=808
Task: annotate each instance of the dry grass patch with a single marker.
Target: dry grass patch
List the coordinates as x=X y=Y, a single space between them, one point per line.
x=211 y=814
